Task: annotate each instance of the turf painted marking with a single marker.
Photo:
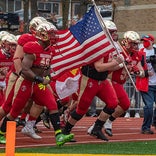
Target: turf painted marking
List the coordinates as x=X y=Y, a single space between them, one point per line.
x=42 y=154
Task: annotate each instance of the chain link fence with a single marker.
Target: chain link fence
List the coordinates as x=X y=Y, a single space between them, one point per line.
x=135 y=99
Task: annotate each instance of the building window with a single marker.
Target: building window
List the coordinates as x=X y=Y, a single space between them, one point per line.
x=106 y=10
x=56 y=8
x=1 y=9
x=49 y=6
x=41 y=6
x=18 y=5
x=76 y=8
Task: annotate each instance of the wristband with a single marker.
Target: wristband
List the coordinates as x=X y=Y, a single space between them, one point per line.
x=38 y=79
x=15 y=74
x=121 y=65
x=20 y=72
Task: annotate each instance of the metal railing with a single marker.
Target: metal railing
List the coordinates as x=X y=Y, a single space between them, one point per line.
x=135 y=98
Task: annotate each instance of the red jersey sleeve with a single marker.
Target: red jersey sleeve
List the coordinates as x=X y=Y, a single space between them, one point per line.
x=23 y=39
x=31 y=48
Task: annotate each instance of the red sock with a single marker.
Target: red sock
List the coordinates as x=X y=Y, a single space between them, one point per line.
x=31 y=118
x=23 y=116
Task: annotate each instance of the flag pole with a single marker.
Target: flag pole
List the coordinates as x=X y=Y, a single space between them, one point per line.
x=109 y=35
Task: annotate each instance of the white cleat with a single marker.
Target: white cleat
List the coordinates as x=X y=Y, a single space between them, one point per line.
x=127 y=115
x=137 y=115
x=29 y=131
x=108 y=124
x=89 y=131
x=108 y=127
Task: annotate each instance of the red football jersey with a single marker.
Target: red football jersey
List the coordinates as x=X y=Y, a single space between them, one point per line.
x=43 y=57
x=120 y=75
x=5 y=65
x=23 y=39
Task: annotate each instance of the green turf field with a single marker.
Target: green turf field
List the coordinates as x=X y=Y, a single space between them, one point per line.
x=124 y=148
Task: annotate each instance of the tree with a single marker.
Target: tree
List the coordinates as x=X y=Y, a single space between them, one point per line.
x=26 y=14
x=34 y=9
x=83 y=7
x=27 y=4
x=65 y=11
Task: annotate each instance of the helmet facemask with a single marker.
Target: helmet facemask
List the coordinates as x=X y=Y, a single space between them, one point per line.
x=34 y=23
x=9 y=43
x=47 y=32
x=131 y=41
x=112 y=29
x=114 y=35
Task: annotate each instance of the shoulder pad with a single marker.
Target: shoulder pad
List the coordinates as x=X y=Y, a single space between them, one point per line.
x=23 y=39
x=31 y=48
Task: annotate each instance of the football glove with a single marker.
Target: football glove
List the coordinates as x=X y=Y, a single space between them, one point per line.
x=41 y=85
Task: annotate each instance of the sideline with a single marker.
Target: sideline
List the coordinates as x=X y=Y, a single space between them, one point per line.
x=42 y=154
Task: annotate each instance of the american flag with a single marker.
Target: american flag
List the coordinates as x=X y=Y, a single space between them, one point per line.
x=81 y=44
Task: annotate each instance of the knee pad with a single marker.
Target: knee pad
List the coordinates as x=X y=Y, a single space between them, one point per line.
x=108 y=110
x=76 y=116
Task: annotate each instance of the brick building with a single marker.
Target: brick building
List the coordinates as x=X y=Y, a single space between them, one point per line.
x=137 y=15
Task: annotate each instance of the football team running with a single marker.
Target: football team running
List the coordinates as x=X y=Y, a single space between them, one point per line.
x=25 y=82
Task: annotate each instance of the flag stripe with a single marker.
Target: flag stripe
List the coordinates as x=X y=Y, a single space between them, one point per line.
x=80 y=60
x=88 y=44
x=66 y=42
x=76 y=64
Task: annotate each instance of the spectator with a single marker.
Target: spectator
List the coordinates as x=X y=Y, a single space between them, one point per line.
x=21 y=27
x=53 y=19
x=148 y=88
x=74 y=20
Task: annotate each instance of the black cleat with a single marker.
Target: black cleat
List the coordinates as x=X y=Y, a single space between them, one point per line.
x=147 y=132
x=20 y=122
x=46 y=123
x=37 y=130
x=45 y=119
x=99 y=135
x=108 y=131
